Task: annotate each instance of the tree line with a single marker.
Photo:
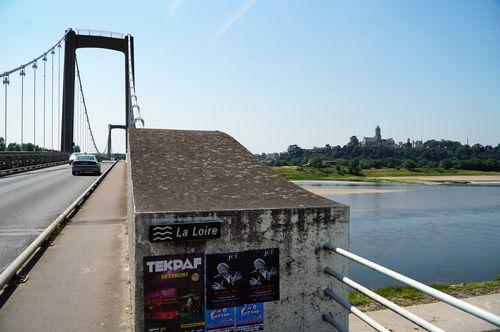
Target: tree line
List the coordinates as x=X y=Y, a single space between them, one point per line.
x=443 y=154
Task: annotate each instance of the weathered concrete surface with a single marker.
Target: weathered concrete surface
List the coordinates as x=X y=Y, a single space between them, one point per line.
x=440 y=314
x=81 y=283
x=194 y=176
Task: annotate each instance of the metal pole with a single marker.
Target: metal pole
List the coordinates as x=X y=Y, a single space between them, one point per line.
x=52 y=105
x=385 y=302
x=22 y=74
x=44 y=90
x=464 y=306
x=34 y=104
x=5 y=83
x=355 y=311
x=59 y=96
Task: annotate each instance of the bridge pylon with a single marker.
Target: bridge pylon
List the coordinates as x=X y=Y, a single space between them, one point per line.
x=121 y=43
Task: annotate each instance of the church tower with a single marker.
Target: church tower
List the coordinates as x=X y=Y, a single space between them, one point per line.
x=378 y=136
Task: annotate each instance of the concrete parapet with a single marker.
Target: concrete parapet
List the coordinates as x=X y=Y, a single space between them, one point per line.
x=192 y=177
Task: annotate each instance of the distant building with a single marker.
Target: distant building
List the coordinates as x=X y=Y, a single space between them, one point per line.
x=377 y=140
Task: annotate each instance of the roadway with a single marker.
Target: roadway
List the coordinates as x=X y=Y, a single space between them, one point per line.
x=30 y=201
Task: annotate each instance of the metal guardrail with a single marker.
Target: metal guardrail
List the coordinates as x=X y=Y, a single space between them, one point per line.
x=19 y=262
x=137 y=120
x=99 y=33
x=459 y=304
x=21 y=159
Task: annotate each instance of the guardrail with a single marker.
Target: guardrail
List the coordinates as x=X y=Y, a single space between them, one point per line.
x=17 y=161
x=459 y=304
x=19 y=262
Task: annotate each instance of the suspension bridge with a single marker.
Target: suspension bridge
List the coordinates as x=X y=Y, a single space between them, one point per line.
x=82 y=253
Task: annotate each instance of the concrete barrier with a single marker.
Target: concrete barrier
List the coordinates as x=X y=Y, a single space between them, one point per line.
x=255 y=224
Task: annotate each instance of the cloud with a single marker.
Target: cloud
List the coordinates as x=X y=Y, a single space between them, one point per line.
x=245 y=5
x=173 y=6
x=476 y=33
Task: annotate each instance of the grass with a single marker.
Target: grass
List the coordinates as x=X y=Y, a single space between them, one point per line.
x=373 y=175
x=406 y=295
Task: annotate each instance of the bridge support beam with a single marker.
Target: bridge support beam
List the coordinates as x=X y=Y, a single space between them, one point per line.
x=110 y=128
x=73 y=42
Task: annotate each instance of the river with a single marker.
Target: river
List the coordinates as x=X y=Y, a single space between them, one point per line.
x=434 y=234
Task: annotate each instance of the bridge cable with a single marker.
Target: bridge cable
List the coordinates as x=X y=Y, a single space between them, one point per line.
x=85 y=106
x=59 y=95
x=52 y=105
x=6 y=84
x=44 y=96
x=35 y=66
x=22 y=74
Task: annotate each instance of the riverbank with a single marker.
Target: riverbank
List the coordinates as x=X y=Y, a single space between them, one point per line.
x=406 y=296
x=391 y=175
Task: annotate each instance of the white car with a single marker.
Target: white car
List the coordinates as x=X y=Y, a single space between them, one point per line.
x=73 y=157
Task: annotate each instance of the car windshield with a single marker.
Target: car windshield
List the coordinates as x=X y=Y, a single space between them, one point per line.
x=85 y=158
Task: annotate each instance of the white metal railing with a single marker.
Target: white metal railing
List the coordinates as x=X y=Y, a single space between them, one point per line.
x=136 y=113
x=459 y=304
x=99 y=33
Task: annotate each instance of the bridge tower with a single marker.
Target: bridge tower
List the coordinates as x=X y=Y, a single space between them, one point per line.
x=124 y=44
x=110 y=128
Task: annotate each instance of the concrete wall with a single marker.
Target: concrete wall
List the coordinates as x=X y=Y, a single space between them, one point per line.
x=298 y=233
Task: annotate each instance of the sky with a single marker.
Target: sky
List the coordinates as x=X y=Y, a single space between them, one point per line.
x=272 y=73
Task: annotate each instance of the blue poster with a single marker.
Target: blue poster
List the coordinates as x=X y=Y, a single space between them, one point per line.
x=220 y=320
x=250 y=317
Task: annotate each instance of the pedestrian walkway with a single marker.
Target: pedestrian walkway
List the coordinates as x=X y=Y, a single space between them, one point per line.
x=81 y=282
x=440 y=314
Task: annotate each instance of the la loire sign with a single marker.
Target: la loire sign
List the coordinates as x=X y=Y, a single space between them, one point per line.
x=184 y=232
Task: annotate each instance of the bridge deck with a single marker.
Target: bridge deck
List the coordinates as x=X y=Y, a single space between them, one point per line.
x=81 y=283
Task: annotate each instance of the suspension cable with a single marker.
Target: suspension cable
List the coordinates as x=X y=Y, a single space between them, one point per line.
x=6 y=84
x=22 y=74
x=52 y=105
x=77 y=119
x=59 y=94
x=44 y=96
x=7 y=73
x=35 y=66
x=85 y=106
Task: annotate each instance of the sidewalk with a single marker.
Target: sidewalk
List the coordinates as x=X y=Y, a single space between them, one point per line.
x=440 y=314
x=80 y=283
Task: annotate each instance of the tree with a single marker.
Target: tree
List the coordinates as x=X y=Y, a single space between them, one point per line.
x=77 y=148
x=316 y=162
x=446 y=163
x=2 y=143
x=353 y=141
x=354 y=167
x=410 y=165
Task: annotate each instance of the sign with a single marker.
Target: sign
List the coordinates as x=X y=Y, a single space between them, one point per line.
x=250 y=318
x=239 y=278
x=174 y=293
x=220 y=320
x=184 y=232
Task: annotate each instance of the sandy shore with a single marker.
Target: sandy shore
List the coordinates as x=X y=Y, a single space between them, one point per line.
x=448 y=179
x=423 y=180
x=332 y=191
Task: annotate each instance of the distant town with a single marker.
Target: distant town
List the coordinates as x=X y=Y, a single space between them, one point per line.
x=378 y=152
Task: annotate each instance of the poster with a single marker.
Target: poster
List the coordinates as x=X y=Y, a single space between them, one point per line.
x=263 y=284
x=239 y=278
x=174 y=293
x=250 y=318
x=226 y=283
x=220 y=320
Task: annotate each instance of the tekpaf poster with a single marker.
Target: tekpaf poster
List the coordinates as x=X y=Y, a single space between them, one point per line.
x=174 y=293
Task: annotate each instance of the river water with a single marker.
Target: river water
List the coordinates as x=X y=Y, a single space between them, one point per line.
x=434 y=234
